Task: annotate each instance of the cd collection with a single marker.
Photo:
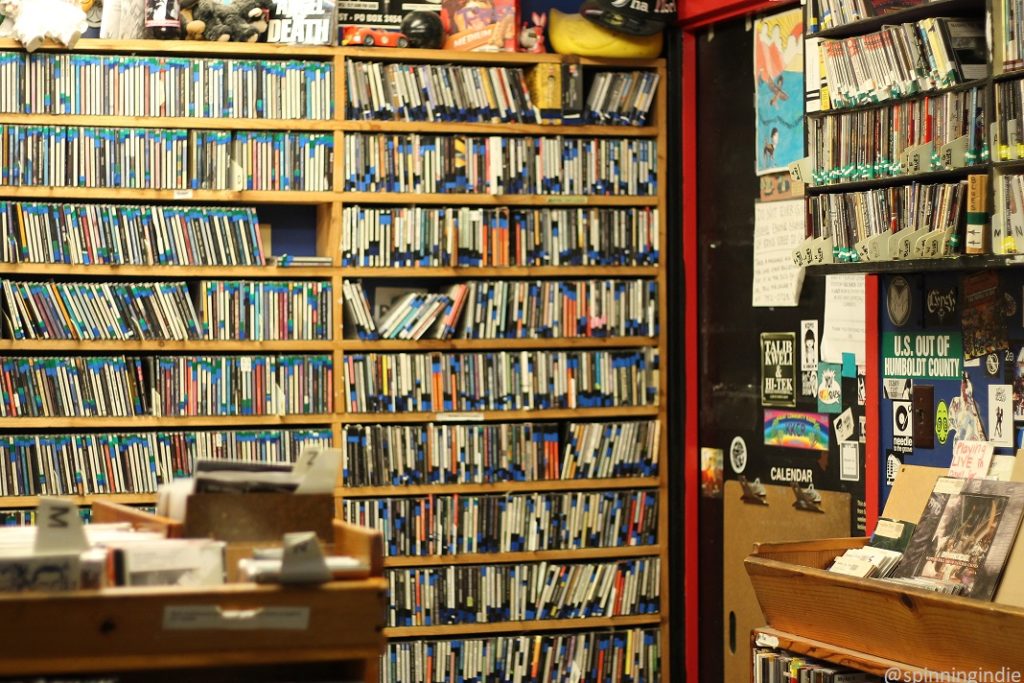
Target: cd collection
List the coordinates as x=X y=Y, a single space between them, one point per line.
x=261 y=310
x=852 y=217
x=1009 y=124
x=503 y=236
x=450 y=525
x=99 y=310
x=500 y=165
x=1013 y=28
x=82 y=464
x=71 y=386
x=164 y=159
x=440 y=453
x=437 y=92
x=504 y=380
x=165 y=86
x=522 y=592
x=771 y=666
x=870 y=143
x=903 y=59
x=621 y=97
x=241 y=385
x=508 y=309
x=632 y=656
x=40 y=232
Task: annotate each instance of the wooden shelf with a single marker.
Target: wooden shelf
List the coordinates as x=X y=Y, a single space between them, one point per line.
x=956 y=263
x=496 y=344
x=590 y=131
x=157 y=271
x=524 y=556
x=189 y=122
x=382 y=54
x=877 y=620
x=151 y=421
x=537 y=626
x=16 y=502
x=966 y=85
x=938 y=8
x=164 y=346
x=497 y=487
x=773 y=638
x=456 y=199
x=117 y=194
x=622 y=412
x=889 y=181
x=503 y=272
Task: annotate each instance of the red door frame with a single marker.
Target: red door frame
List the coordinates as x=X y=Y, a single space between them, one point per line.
x=694 y=16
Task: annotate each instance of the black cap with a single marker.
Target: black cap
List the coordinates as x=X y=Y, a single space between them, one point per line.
x=637 y=17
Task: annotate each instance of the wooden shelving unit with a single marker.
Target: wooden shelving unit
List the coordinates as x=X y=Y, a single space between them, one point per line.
x=329 y=206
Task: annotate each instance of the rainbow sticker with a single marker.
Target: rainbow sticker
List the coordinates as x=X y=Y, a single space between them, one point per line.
x=796 y=429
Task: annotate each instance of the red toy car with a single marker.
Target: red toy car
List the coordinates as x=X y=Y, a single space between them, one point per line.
x=365 y=35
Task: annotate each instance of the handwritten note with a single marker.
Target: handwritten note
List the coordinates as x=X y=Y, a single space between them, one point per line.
x=843 y=330
x=778 y=229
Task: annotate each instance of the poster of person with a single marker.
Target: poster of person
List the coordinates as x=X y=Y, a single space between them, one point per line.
x=779 y=89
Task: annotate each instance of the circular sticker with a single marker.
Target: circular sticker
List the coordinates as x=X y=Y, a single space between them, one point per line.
x=897 y=301
x=738 y=455
x=992 y=363
x=942 y=422
x=1009 y=305
x=902 y=417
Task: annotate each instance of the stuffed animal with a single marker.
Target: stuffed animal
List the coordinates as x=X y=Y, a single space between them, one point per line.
x=242 y=21
x=531 y=38
x=33 y=21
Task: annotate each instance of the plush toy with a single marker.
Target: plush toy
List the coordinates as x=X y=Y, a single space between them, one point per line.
x=33 y=21
x=531 y=38
x=242 y=21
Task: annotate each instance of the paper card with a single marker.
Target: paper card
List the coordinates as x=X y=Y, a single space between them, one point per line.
x=849 y=461
x=843 y=328
x=830 y=388
x=1000 y=414
x=849 y=365
x=971 y=459
x=844 y=426
x=897 y=389
x=809 y=383
x=778 y=229
x=809 y=345
x=902 y=427
x=711 y=479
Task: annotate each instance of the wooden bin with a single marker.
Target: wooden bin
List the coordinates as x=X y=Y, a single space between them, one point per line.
x=145 y=630
x=872 y=625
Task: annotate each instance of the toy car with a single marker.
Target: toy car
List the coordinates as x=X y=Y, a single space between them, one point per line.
x=365 y=35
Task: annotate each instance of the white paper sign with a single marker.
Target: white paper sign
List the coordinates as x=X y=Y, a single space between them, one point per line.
x=971 y=459
x=778 y=229
x=843 y=331
x=849 y=461
x=1000 y=414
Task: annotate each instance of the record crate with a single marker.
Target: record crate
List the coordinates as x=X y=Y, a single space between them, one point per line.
x=872 y=625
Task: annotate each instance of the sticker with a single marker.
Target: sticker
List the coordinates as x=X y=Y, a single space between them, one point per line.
x=892 y=467
x=982 y=322
x=1000 y=414
x=830 y=391
x=897 y=301
x=889 y=528
x=950 y=485
x=778 y=369
x=902 y=427
x=809 y=383
x=940 y=306
x=796 y=429
x=738 y=455
x=809 y=346
x=897 y=389
x=844 y=426
x=849 y=365
x=459 y=417
x=941 y=422
x=862 y=390
x=182 y=194
x=849 y=461
x=1018 y=386
x=964 y=415
x=992 y=364
x=972 y=362
x=711 y=461
x=863 y=438
x=929 y=356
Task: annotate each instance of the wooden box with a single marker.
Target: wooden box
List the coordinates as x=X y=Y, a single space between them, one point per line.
x=862 y=622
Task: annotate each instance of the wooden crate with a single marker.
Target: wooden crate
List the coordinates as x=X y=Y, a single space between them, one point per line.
x=876 y=620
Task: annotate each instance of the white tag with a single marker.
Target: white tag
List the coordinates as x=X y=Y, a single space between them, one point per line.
x=59 y=528
x=766 y=640
x=302 y=560
x=888 y=528
x=457 y=417
x=954 y=154
x=319 y=469
x=949 y=485
x=213 y=618
x=183 y=194
x=801 y=170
